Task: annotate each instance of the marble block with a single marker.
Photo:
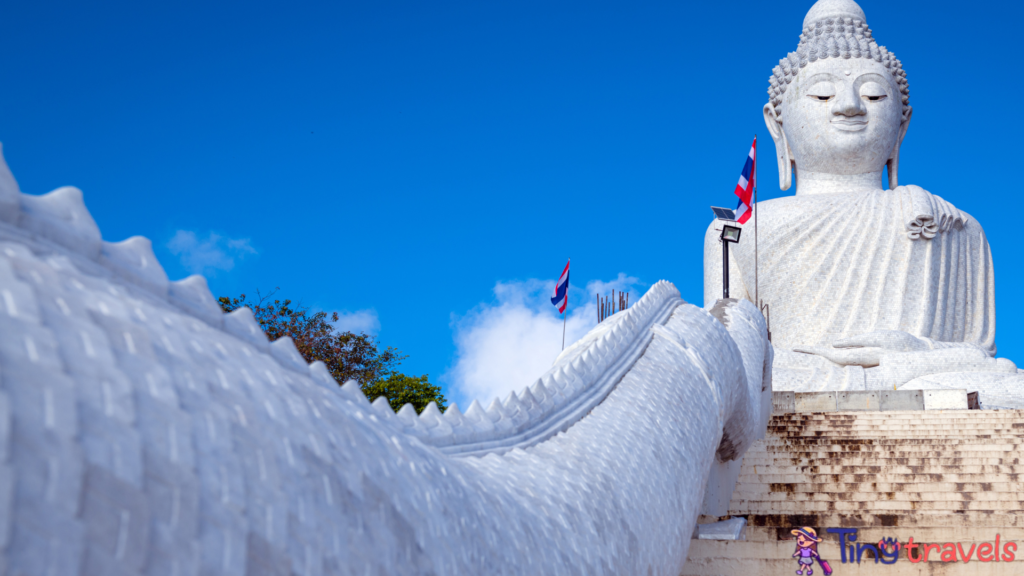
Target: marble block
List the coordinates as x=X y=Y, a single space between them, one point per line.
x=945 y=399
x=816 y=402
x=858 y=400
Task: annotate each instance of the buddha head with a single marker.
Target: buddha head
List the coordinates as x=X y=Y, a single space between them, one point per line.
x=839 y=105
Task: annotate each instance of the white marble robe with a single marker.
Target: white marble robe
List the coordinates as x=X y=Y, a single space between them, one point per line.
x=838 y=265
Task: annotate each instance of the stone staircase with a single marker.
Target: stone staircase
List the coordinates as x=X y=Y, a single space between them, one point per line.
x=952 y=476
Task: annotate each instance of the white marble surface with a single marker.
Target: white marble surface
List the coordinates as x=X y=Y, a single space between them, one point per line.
x=143 y=431
x=867 y=288
x=580 y=379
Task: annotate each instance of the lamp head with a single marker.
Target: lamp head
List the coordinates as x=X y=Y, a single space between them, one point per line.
x=731 y=233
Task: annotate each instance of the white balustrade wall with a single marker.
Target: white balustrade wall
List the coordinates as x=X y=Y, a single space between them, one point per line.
x=144 y=431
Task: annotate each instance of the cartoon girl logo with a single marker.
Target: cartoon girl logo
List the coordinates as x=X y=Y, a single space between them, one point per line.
x=807 y=551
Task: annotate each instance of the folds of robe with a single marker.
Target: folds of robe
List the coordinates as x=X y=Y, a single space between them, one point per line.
x=833 y=266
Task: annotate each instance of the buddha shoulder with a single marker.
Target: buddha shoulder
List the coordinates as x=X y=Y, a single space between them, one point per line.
x=923 y=214
x=931 y=213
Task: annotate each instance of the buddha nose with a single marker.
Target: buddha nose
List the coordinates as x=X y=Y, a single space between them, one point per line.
x=848 y=104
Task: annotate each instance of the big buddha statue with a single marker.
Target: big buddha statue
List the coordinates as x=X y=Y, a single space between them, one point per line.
x=867 y=288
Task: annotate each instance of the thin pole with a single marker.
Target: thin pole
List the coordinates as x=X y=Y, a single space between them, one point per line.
x=757 y=295
x=563 y=330
x=566 y=307
x=725 y=266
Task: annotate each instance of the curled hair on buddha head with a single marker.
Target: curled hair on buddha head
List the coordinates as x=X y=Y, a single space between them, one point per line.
x=840 y=34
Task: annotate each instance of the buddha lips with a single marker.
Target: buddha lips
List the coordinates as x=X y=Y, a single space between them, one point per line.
x=887 y=551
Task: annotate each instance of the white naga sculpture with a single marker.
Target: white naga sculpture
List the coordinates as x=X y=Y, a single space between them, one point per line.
x=143 y=431
x=867 y=288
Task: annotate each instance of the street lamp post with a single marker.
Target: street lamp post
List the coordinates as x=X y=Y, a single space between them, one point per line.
x=730 y=234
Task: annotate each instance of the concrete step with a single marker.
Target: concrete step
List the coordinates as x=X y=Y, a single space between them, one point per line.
x=951 y=434
x=881 y=417
x=847 y=444
x=886 y=457
x=880 y=454
x=909 y=421
x=896 y=436
x=781 y=552
x=751 y=494
x=857 y=458
x=885 y=440
x=868 y=477
x=829 y=549
x=741 y=507
x=918 y=413
x=1008 y=436
x=920 y=534
x=915 y=415
x=893 y=469
x=1009 y=425
x=911 y=519
x=928 y=416
x=980 y=425
x=889 y=444
x=757 y=567
x=880 y=487
x=939 y=476
x=920 y=452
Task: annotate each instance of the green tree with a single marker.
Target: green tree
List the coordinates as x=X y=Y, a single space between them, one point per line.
x=400 y=390
x=347 y=355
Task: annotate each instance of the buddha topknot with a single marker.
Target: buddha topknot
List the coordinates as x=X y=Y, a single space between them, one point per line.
x=834 y=38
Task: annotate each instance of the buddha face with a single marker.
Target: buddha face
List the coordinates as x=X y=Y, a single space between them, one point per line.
x=842 y=116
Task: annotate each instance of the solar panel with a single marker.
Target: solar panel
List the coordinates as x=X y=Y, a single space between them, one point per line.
x=723 y=213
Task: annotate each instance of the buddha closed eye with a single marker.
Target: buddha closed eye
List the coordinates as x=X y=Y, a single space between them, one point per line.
x=873 y=92
x=825 y=91
x=838 y=39
x=840 y=103
x=822 y=91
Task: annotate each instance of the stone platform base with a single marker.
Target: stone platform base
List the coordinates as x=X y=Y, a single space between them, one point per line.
x=873 y=400
x=935 y=475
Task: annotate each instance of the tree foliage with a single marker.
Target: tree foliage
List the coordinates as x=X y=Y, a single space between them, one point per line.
x=400 y=390
x=348 y=356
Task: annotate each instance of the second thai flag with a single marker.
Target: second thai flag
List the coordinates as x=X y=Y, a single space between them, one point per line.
x=561 y=296
x=745 y=187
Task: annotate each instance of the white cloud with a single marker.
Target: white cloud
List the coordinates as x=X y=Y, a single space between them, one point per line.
x=504 y=346
x=359 y=321
x=207 y=255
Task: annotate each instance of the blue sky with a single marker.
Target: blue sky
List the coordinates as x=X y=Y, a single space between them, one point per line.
x=426 y=167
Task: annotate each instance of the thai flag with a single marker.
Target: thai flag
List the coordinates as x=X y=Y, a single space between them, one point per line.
x=561 y=296
x=745 y=187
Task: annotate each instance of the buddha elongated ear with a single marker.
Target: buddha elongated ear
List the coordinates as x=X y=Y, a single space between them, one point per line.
x=782 y=151
x=893 y=163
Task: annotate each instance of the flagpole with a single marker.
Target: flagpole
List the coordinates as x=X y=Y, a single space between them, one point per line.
x=757 y=296
x=568 y=260
x=563 y=329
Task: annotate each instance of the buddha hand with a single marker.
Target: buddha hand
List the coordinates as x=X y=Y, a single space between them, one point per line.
x=867 y=349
